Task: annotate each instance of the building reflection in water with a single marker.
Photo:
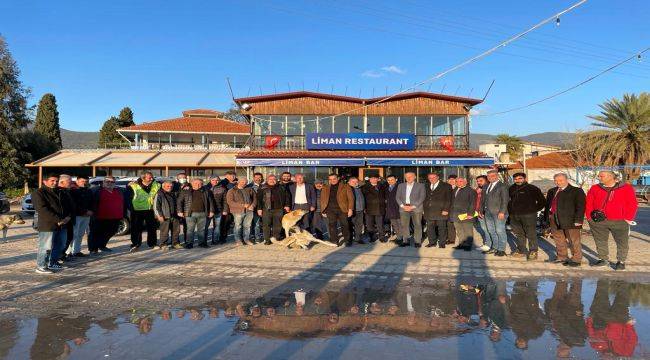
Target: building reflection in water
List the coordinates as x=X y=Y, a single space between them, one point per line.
x=433 y=312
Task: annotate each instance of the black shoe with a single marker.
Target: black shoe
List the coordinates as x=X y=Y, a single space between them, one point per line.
x=430 y=245
x=403 y=244
x=243 y=242
x=93 y=252
x=79 y=254
x=383 y=240
x=417 y=246
x=500 y=253
x=600 y=262
x=463 y=247
x=213 y=242
x=619 y=266
x=105 y=249
x=442 y=246
x=268 y=242
x=348 y=244
x=571 y=263
x=189 y=246
x=204 y=245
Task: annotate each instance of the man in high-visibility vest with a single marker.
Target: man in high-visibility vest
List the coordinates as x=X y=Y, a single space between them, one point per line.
x=142 y=193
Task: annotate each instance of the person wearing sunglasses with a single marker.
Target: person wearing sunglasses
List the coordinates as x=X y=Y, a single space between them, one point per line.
x=109 y=208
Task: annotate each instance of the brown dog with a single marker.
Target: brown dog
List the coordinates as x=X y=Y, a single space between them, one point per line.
x=290 y=219
x=6 y=221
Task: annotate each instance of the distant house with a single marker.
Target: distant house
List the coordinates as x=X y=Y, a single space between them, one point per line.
x=542 y=168
x=500 y=155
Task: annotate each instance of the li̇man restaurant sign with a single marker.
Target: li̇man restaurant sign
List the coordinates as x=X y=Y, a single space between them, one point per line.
x=360 y=141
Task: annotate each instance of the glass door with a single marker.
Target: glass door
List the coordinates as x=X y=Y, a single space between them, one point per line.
x=365 y=173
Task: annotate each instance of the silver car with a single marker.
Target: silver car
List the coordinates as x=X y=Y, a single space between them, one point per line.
x=27 y=205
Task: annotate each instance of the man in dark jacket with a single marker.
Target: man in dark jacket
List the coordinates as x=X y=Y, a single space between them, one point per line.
x=375 y=198
x=565 y=213
x=54 y=210
x=256 y=226
x=181 y=184
x=228 y=181
x=303 y=196
x=83 y=201
x=392 y=209
x=356 y=221
x=196 y=206
x=436 y=210
x=66 y=185
x=318 y=226
x=219 y=197
x=337 y=202
x=463 y=207
x=272 y=202
x=164 y=207
x=525 y=201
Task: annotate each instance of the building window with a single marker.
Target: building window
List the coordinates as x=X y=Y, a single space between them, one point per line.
x=391 y=124
x=374 y=124
x=407 y=124
x=309 y=124
x=423 y=125
x=356 y=124
x=458 y=124
x=325 y=125
x=341 y=125
x=440 y=125
x=278 y=125
x=294 y=125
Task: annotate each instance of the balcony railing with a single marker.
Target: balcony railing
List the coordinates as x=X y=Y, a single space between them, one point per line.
x=423 y=142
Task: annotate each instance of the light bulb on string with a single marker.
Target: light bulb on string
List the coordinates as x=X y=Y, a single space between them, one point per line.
x=638 y=57
x=557 y=21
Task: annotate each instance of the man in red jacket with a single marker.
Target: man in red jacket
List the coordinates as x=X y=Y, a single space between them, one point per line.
x=611 y=207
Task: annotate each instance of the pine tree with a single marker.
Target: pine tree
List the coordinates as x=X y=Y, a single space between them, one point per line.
x=126 y=117
x=108 y=136
x=14 y=116
x=47 y=120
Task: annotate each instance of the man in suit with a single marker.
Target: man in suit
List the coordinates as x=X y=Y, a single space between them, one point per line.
x=494 y=209
x=375 y=196
x=565 y=213
x=451 y=229
x=410 y=198
x=303 y=196
x=392 y=209
x=337 y=204
x=436 y=210
x=462 y=211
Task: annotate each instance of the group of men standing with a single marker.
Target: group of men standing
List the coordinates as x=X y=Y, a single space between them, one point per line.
x=442 y=212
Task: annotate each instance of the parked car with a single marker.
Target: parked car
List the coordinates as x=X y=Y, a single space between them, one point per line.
x=26 y=205
x=4 y=203
x=642 y=193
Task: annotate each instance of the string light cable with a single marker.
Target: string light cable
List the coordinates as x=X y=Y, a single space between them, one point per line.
x=460 y=65
x=583 y=82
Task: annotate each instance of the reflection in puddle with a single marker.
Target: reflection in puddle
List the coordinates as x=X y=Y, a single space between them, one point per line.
x=494 y=320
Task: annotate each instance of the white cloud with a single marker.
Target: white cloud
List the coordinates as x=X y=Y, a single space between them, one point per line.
x=372 y=74
x=475 y=112
x=394 y=69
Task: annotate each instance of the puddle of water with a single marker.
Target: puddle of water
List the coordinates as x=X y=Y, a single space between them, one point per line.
x=515 y=319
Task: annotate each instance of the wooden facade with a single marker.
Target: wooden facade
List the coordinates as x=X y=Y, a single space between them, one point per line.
x=305 y=103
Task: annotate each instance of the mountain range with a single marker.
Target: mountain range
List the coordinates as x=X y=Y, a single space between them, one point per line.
x=87 y=140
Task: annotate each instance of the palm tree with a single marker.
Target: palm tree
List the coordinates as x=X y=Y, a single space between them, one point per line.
x=622 y=134
x=514 y=145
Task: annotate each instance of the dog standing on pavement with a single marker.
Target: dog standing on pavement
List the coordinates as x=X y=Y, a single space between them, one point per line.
x=290 y=219
x=6 y=221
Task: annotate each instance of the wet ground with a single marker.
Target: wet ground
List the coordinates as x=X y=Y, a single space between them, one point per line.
x=527 y=319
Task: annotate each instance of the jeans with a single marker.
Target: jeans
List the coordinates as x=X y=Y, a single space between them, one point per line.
x=215 y=233
x=196 y=223
x=50 y=246
x=256 y=228
x=524 y=227
x=496 y=232
x=482 y=230
x=244 y=220
x=620 y=232
x=405 y=218
x=81 y=227
x=396 y=225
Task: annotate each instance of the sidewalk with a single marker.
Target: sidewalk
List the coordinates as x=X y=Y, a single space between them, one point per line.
x=121 y=279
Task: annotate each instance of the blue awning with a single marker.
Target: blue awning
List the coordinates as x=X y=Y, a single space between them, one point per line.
x=431 y=162
x=300 y=162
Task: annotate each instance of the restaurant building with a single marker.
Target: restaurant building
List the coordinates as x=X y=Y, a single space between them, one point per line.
x=316 y=134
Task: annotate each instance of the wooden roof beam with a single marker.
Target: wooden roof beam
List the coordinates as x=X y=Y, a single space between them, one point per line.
x=202 y=159
x=152 y=157
x=98 y=158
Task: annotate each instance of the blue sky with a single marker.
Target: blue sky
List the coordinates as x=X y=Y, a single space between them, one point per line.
x=160 y=58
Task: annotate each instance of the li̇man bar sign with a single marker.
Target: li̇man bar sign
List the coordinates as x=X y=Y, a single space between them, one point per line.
x=360 y=141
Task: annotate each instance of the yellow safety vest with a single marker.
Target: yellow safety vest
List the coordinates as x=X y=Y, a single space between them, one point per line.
x=141 y=199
